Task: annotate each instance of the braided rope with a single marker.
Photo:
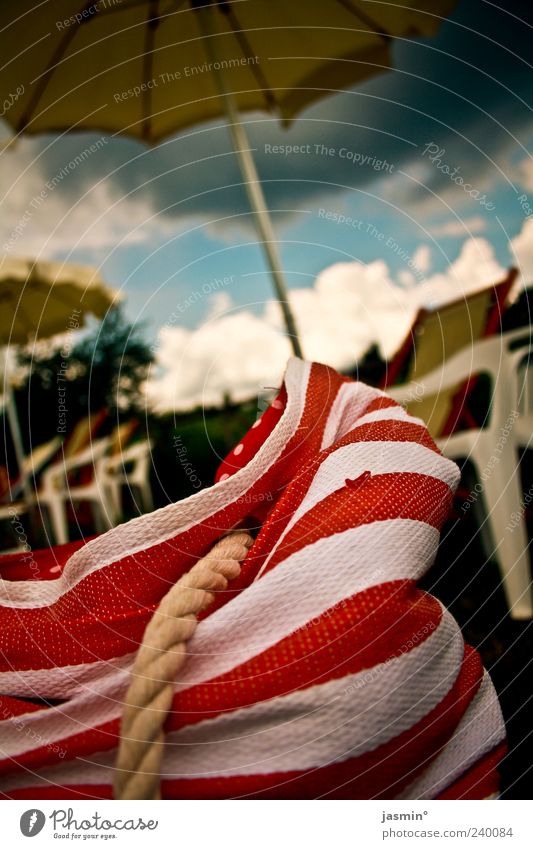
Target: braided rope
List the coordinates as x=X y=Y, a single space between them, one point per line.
x=160 y=656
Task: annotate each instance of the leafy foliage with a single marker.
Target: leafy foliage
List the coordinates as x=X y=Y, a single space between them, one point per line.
x=104 y=369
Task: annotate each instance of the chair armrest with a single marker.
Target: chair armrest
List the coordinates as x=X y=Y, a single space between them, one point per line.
x=38 y=458
x=524 y=333
x=487 y=356
x=134 y=452
x=85 y=458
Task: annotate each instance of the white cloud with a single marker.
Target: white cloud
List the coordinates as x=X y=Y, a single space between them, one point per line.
x=406 y=278
x=474 y=224
x=41 y=219
x=219 y=304
x=475 y=267
x=522 y=251
x=524 y=173
x=350 y=306
x=236 y=355
x=422 y=258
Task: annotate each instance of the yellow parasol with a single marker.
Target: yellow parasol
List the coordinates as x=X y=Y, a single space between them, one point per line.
x=149 y=68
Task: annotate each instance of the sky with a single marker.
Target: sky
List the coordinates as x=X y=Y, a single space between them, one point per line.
x=367 y=195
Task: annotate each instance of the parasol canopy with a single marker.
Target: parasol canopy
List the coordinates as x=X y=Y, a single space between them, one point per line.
x=39 y=299
x=150 y=68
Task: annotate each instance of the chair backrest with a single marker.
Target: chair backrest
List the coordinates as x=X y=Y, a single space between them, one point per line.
x=121 y=436
x=437 y=335
x=79 y=443
x=83 y=433
x=137 y=455
x=506 y=359
x=519 y=349
x=79 y=469
x=40 y=456
x=4 y=483
x=32 y=466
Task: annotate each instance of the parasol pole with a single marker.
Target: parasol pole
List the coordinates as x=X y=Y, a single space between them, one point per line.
x=252 y=182
x=14 y=426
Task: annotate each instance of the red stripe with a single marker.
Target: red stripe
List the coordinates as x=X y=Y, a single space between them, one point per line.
x=398 y=495
x=279 y=517
x=83 y=745
x=381 y=773
x=254 y=438
x=389 y=430
x=16 y=707
x=38 y=566
x=105 y=615
x=481 y=780
x=381 y=403
x=358 y=633
x=301 y=453
x=55 y=791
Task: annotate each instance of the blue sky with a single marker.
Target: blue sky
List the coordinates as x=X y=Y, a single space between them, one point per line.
x=167 y=221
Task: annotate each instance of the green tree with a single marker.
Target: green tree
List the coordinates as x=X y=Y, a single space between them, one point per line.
x=112 y=363
x=104 y=369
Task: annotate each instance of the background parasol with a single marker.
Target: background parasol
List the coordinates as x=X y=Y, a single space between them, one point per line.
x=39 y=300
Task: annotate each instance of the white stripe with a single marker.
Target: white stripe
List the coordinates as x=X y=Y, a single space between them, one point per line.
x=31 y=731
x=154 y=528
x=251 y=616
x=393 y=414
x=341 y=719
x=397 y=413
x=61 y=682
x=351 y=400
x=377 y=458
x=303 y=586
x=285 y=599
x=326 y=723
x=480 y=730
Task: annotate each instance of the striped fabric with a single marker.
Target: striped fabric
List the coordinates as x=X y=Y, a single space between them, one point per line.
x=322 y=672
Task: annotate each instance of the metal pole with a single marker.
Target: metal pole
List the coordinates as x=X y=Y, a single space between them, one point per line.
x=14 y=426
x=252 y=182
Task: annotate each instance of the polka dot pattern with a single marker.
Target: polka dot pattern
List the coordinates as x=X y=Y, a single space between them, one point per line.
x=252 y=441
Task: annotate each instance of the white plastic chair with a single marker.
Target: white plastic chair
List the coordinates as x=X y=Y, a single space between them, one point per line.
x=32 y=466
x=12 y=511
x=57 y=492
x=494 y=450
x=130 y=468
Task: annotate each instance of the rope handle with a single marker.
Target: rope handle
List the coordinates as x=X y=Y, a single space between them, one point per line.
x=159 y=658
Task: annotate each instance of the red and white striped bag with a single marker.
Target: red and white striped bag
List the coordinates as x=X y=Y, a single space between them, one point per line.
x=322 y=672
